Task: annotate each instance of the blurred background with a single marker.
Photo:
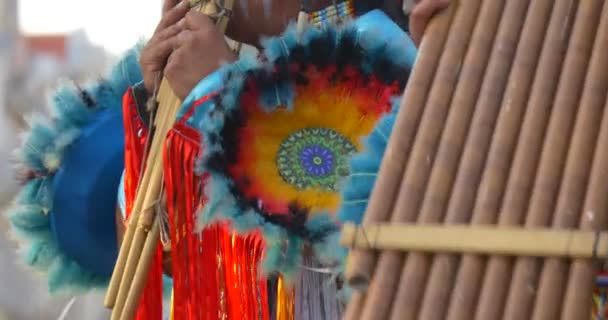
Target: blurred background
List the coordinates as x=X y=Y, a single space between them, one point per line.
x=42 y=43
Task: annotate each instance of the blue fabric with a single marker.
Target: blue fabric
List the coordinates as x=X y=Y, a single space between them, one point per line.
x=364 y=169
x=388 y=31
x=207 y=85
x=83 y=186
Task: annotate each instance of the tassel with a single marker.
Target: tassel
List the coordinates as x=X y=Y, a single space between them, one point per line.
x=317 y=293
x=285 y=301
x=181 y=185
x=215 y=272
x=150 y=307
x=171 y=313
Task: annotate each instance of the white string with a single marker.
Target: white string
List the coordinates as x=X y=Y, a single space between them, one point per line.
x=318 y=270
x=67 y=309
x=316 y=293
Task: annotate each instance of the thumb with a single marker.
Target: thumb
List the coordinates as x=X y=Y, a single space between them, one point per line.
x=196 y=20
x=422 y=12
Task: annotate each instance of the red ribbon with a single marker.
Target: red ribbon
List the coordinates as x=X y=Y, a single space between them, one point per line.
x=215 y=273
x=150 y=307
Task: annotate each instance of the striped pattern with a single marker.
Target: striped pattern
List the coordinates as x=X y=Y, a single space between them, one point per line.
x=332 y=14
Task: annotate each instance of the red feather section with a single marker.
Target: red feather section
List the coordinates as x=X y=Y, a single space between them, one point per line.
x=215 y=272
x=150 y=307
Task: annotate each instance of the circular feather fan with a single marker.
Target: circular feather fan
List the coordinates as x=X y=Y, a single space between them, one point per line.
x=279 y=139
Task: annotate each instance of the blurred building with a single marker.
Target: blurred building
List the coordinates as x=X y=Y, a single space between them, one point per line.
x=9 y=38
x=30 y=67
x=45 y=60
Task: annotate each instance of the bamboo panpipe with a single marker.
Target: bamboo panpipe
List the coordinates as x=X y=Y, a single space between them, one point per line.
x=147 y=214
x=495 y=284
x=487 y=203
x=480 y=130
x=353 y=308
x=391 y=171
x=385 y=278
x=520 y=302
x=142 y=270
x=577 y=171
x=119 y=269
x=510 y=241
x=581 y=280
x=134 y=261
x=533 y=115
x=596 y=205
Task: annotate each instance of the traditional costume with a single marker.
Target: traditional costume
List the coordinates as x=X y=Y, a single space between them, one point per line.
x=267 y=158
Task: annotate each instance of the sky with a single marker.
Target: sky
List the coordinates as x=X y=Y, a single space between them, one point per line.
x=114 y=24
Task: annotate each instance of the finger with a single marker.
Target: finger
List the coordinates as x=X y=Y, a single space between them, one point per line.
x=160 y=53
x=197 y=21
x=421 y=14
x=172 y=58
x=173 y=15
x=184 y=38
x=171 y=69
x=168 y=4
x=167 y=33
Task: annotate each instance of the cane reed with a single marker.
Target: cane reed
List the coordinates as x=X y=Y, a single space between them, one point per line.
x=503 y=123
x=143 y=230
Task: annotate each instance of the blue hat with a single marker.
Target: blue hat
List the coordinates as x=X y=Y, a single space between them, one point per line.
x=85 y=186
x=66 y=212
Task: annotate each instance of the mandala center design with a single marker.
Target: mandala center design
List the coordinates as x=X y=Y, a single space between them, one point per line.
x=314 y=158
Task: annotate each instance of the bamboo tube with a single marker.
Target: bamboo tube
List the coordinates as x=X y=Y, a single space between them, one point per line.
x=445 y=166
x=487 y=203
x=119 y=268
x=143 y=269
x=130 y=266
x=495 y=284
x=576 y=175
x=436 y=298
x=386 y=276
x=353 y=308
x=397 y=151
x=151 y=195
x=546 y=187
x=138 y=247
x=516 y=241
x=595 y=213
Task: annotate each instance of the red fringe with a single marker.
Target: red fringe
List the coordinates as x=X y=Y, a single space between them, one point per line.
x=215 y=273
x=151 y=306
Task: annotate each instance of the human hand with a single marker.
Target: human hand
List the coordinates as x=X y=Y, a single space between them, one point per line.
x=155 y=53
x=200 y=49
x=421 y=14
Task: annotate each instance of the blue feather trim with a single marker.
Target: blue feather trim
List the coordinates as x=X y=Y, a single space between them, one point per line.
x=364 y=169
x=72 y=109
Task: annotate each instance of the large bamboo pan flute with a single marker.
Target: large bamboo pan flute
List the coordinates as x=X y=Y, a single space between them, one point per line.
x=492 y=199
